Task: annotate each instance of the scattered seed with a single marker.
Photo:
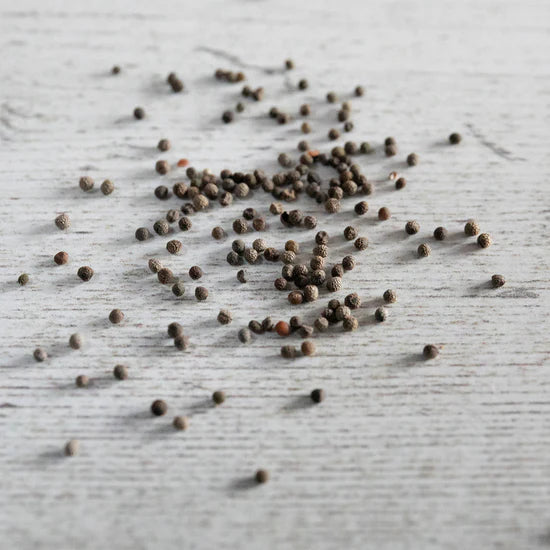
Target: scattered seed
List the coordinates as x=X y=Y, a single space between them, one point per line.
x=288 y=352
x=333 y=134
x=440 y=233
x=471 y=229
x=85 y=273
x=120 y=372
x=61 y=258
x=359 y=91
x=175 y=329
x=115 y=70
x=317 y=396
x=424 y=250
x=195 y=272
x=218 y=397
x=161 y=227
x=63 y=221
x=400 y=183
x=390 y=150
x=82 y=381
x=455 y=138
x=412 y=159
x=159 y=407
x=484 y=240
x=178 y=289
x=164 y=145
x=412 y=227
x=201 y=293
x=185 y=223
x=40 y=355
x=72 y=447
x=23 y=279
x=350 y=324
x=430 y=351
x=228 y=116
x=180 y=422
x=139 y=113
x=86 y=183
x=174 y=246
x=245 y=335
x=225 y=317
x=353 y=301
x=361 y=243
x=107 y=187
x=390 y=296
x=384 y=213
x=181 y=342
x=155 y=265
x=498 y=281
x=75 y=341
x=381 y=314
x=303 y=84
x=116 y=316
x=282 y=328
x=334 y=284
x=165 y=276
x=350 y=233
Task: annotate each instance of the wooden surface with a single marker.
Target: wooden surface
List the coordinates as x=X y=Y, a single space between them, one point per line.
x=404 y=453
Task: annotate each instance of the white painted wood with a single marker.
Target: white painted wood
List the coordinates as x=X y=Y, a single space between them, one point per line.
x=403 y=453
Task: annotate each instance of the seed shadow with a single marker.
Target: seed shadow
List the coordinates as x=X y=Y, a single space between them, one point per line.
x=410 y=360
x=242 y=484
x=201 y=407
x=49 y=458
x=298 y=403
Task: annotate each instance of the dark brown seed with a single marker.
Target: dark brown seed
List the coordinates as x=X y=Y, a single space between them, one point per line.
x=317 y=396
x=361 y=208
x=412 y=159
x=303 y=84
x=172 y=215
x=262 y=476
x=239 y=107
x=255 y=327
x=176 y=84
x=63 y=221
x=359 y=91
x=334 y=284
x=498 y=281
x=161 y=227
x=107 y=187
x=332 y=206
x=384 y=213
x=233 y=258
x=218 y=233
x=288 y=352
x=310 y=222
x=162 y=192
x=353 y=301
x=311 y=293
x=178 y=289
x=85 y=272
x=389 y=141
x=175 y=329
x=86 y=183
x=455 y=138
x=471 y=229
x=342 y=312
x=185 y=223
x=348 y=262
x=400 y=183
x=321 y=237
x=484 y=240
x=75 y=341
x=276 y=208
x=365 y=148
x=333 y=134
x=305 y=109
x=165 y=276
x=163 y=145
x=195 y=272
x=440 y=233
x=332 y=97
x=295 y=297
x=390 y=150
x=181 y=342
x=72 y=447
x=337 y=270
x=201 y=293
x=251 y=255
x=240 y=226
x=120 y=372
x=180 y=422
x=381 y=314
x=139 y=113
x=242 y=276
x=424 y=250
x=116 y=316
x=412 y=227
x=430 y=351
x=115 y=70
x=159 y=407
x=348 y=126
x=218 y=397
x=82 y=381
x=225 y=317
x=280 y=283
x=227 y=116
x=61 y=258
x=283 y=118
x=174 y=246
x=361 y=243
x=350 y=233
x=390 y=296
x=23 y=279
x=321 y=324
x=200 y=202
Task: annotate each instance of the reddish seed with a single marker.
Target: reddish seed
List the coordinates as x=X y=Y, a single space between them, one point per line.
x=182 y=163
x=282 y=328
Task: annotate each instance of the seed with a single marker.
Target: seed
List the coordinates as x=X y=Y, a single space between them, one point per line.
x=343 y=115
x=155 y=265
x=384 y=213
x=284 y=160
x=440 y=233
x=201 y=293
x=412 y=227
x=185 y=223
x=295 y=297
x=180 y=422
x=165 y=276
x=244 y=335
x=272 y=254
x=251 y=255
x=240 y=226
x=311 y=293
x=308 y=348
x=484 y=240
x=430 y=351
x=181 y=342
x=305 y=128
x=317 y=396
x=400 y=183
x=282 y=328
x=288 y=257
x=322 y=237
x=333 y=134
x=75 y=341
x=115 y=69
x=40 y=355
x=334 y=303
x=337 y=270
x=85 y=273
x=200 y=202
x=424 y=250
x=225 y=317
x=175 y=329
x=321 y=324
x=381 y=314
x=139 y=113
x=471 y=229
x=238 y=246
x=227 y=116
x=159 y=407
x=353 y=301
x=365 y=148
x=233 y=258
x=239 y=107
x=86 y=183
x=120 y=372
x=455 y=138
x=61 y=258
x=116 y=316
x=107 y=187
x=23 y=279
x=174 y=246
x=163 y=145
x=412 y=159
x=332 y=206
x=195 y=272
x=342 y=312
x=276 y=208
x=178 y=289
x=283 y=118
x=255 y=327
x=218 y=233
x=390 y=296
x=218 y=397
x=63 y=221
x=176 y=84
x=361 y=208
x=332 y=97
x=350 y=324
x=390 y=150
x=172 y=215
x=334 y=284
x=359 y=91
x=288 y=352
x=348 y=126
x=303 y=84
x=317 y=263
x=305 y=110
x=242 y=276
x=361 y=243
x=350 y=233
x=72 y=447
x=82 y=381
x=161 y=227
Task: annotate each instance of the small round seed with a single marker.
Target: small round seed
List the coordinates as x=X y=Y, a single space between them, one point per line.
x=350 y=324
x=161 y=227
x=82 y=381
x=317 y=395
x=384 y=213
x=228 y=116
x=162 y=167
x=350 y=233
x=195 y=272
x=288 y=352
x=455 y=138
x=61 y=258
x=390 y=296
x=175 y=329
x=303 y=84
x=359 y=91
x=63 y=221
x=262 y=476
x=400 y=183
x=412 y=159
x=333 y=134
x=282 y=328
x=218 y=397
x=172 y=215
x=181 y=342
x=240 y=226
x=353 y=301
x=471 y=229
x=245 y=335
x=180 y=422
x=178 y=289
x=430 y=351
x=165 y=276
x=361 y=243
x=40 y=355
x=341 y=312
x=321 y=324
x=332 y=206
x=120 y=372
x=201 y=293
x=218 y=233
x=115 y=70
x=498 y=281
x=308 y=348
x=381 y=314
x=142 y=234
x=86 y=183
x=225 y=317
x=116 y=316
x=174 y=246
x=484 y=240
x=440 y=233
x=72 y=447
x=163 y=145
x=155 y=265
x=75 y=341
x=107 y=187
x=412 y=227
x=159 y=407
x=348 y=263
x=361 y=208
x=334 y=284
x=85 y=272
x=295 y=297
x=23 y=279
x=185 y=223
x=242 y=276
x=424 y=250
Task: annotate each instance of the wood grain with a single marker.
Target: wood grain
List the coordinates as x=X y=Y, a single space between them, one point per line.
x=403 y=453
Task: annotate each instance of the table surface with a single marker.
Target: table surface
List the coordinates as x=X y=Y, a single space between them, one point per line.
x=403 y=453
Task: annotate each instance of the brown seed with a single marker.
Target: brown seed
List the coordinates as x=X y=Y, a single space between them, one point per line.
x=455 y=138
x=240 y=226
x=430 y=351
x=178 y=289
x=175 y=329
x=85 y=272
x=484 y=240
x=165 y=276
x=172 y=215
x=75 y=341
x=440 y=233
x=115 y=69
x=350 y=324
x=384 y=213
x=332 y=206
x=174 y=246
x=72 y=447
x=305 y=127
x=303 y=84
x=120 y=372
x=317 y=396
x=390 y=296
x=139 y=113
x=332 y=97
x=334 y=284
x=195 y=272
x=361 y=243
x=218 y=397
x=342 y=312
x=159 y=407
x=424 y=250
x=86 y=183
x=242 y=276
x=311 y=293
x=276 y=208
x=23 y=279
x=116 y=316
x=155 y=265
x=282 y=328
x=350 y=233
x=262 y=476
x=201 y=202
x=471 y=229
x=296 y=297
x=381 y=314
x=400 y=183
x=390 y=150
x=361 y=208
x=353 y=301
x=61 y=258
x=82 y=381
x=225 y=317
x=412 y=227
x=228 y=116
x=321 y=324
x=288 y=352
x=359 y=91
x=333 y=134
x=163 y=145
x=181 y=342
x=412 y=159
x=348 y=263
x=498 y=281
x=305 y=109
x=201 y=293
x=40 y=355
x=107 y=187
x=180 y=422
x=161 y=227
x=63 y=221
